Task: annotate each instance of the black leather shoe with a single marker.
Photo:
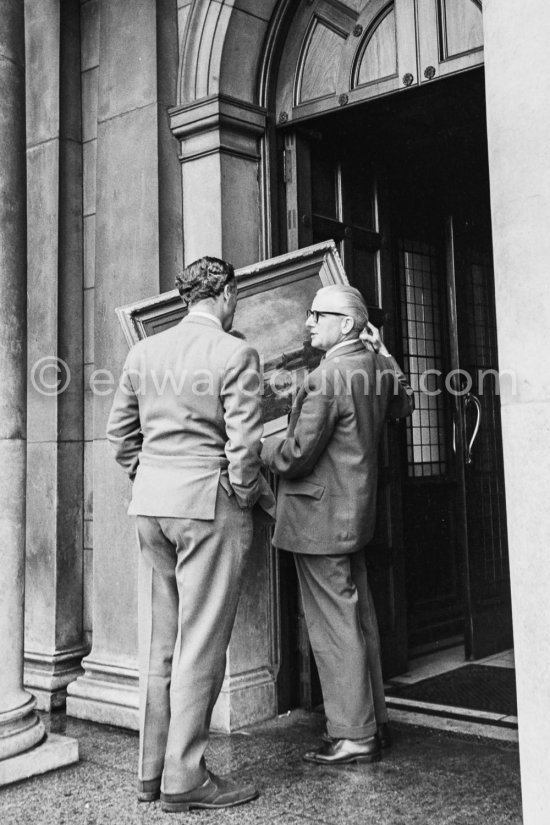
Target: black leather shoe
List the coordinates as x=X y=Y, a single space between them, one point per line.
x=215 y=792
x=148 y=790
x=345 y=751
x=384 y=735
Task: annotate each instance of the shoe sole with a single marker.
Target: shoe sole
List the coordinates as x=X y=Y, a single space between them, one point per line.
x=350 y=760
x=182 y=807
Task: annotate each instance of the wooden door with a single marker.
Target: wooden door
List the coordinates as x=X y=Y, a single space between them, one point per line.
x=454 y=505
x=333 y=192
x=482 y=535
x=454 y=511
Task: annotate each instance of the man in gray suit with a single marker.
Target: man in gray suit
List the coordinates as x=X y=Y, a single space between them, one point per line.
x=326 y=509
x=186 y=426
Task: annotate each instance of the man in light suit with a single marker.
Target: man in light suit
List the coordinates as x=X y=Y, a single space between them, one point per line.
x=186 y=426
x=326 y=508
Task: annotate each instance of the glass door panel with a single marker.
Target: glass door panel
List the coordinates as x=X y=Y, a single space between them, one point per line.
x=434 y=593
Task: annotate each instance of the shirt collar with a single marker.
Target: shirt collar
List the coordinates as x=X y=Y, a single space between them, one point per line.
x=206 y=315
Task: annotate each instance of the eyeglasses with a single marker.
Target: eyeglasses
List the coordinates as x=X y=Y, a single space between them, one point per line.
x=313 y=313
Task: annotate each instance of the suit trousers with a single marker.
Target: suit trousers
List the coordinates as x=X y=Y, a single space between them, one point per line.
x=343 y=634
x=190 y=576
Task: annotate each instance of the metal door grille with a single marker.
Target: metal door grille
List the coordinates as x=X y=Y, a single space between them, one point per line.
x=421 y=314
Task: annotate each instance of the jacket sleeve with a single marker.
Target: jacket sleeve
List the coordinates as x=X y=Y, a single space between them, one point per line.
x=241 y=399
x=123 y=427
x=312 y=422
x=402 y=401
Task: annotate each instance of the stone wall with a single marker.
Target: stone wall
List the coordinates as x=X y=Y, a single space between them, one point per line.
x=516 y=37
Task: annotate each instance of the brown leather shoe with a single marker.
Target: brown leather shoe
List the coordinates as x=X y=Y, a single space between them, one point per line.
x=148 y=790
x=215 y=792
x=345 y=751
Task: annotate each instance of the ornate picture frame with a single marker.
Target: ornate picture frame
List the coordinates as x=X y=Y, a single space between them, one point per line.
x=273 y=298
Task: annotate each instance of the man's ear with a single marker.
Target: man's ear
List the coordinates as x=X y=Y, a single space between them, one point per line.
x=228 y=291
x=347 y=325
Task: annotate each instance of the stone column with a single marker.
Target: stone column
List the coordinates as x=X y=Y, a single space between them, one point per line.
x=220 y=156
x=20 y=728
x=137 y=253
x=219 y=152
x=53 y=636
x=517 y=66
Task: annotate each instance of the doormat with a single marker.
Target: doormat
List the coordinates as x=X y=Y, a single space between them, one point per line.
x=476 y=687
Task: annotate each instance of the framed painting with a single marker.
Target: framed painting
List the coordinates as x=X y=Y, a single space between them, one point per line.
x=274 y=296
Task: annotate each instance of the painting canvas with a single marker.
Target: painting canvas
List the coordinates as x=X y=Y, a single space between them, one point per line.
x=274 y=296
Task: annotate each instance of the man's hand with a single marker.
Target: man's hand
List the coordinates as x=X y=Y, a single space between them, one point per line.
x=370 y=336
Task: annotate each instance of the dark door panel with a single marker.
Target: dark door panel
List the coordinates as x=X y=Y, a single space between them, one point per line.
x=481 y=494
x=434 y=585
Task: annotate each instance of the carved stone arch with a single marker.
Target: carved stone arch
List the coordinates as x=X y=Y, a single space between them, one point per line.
x=222 y=49
x=228 y=54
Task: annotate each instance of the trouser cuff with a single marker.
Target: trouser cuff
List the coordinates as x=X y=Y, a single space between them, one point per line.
x=344 y=732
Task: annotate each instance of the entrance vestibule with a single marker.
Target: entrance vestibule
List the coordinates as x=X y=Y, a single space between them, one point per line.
x=401 y=183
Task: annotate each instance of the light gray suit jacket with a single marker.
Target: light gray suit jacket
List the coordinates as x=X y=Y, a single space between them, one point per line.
x=186 y=417
x=328 y=461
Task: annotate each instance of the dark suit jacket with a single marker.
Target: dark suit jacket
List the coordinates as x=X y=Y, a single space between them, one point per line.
x=186 y=416
x=328 y=461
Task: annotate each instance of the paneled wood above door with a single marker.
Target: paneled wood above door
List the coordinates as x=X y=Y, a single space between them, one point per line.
x=458 y=40
x=342 y=52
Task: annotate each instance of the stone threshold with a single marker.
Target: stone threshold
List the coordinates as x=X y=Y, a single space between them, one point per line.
x=453 y=719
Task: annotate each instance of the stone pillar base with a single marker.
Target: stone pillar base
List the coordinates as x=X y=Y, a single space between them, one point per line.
x=110 y=696
x=245 y=699
x=20 y=729
x=47 y=676
x=55 y=752
x=105 y=694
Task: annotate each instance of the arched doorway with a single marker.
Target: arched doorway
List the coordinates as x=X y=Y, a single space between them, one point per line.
x=364 y=121
x=381 y=144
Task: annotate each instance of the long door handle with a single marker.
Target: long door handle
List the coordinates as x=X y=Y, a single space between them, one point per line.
x=468 y=401
x=454 y=435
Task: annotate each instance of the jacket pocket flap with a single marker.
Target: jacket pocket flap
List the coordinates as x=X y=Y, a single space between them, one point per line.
x=298 y=487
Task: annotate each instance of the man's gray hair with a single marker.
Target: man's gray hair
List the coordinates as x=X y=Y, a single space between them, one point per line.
x=360 y=319
x=343 y=299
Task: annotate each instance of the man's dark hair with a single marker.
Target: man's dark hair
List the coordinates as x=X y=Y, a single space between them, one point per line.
x=204 y=278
